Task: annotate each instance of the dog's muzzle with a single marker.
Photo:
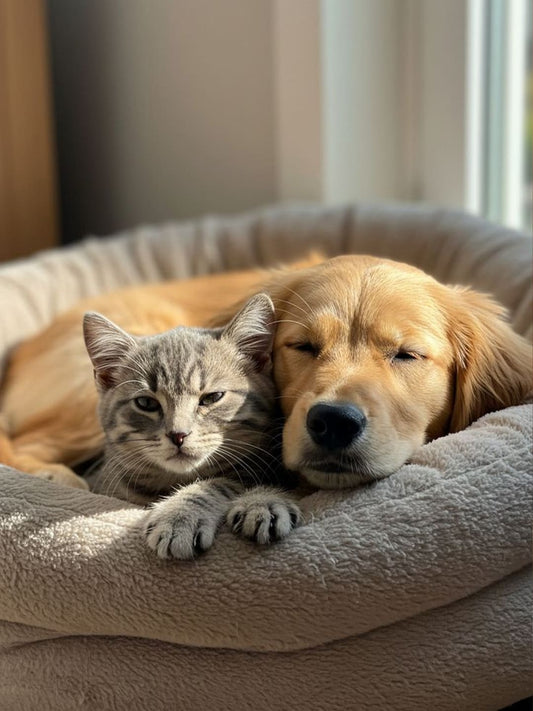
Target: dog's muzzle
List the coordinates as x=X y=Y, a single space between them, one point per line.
x=335 y=426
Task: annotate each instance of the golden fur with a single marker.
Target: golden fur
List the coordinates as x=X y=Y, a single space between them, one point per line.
x=418 y=359
x=357 y=312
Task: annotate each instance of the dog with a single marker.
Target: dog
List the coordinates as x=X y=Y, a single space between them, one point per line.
x=372 y=358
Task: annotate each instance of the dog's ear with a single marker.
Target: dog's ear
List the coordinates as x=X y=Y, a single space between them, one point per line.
x=493 y=364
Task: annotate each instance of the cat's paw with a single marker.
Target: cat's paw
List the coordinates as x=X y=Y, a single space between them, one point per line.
x=263 y=515
x=180 y=529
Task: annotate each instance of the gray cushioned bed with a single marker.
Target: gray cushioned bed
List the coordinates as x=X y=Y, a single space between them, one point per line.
x=411 y=594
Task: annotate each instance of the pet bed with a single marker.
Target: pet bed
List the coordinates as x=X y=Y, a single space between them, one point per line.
x=410 y=594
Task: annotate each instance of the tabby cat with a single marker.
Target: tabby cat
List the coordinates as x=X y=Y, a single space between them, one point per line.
x=187 y=418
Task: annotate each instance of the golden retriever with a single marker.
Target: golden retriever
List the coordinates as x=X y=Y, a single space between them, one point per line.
x=371 y=358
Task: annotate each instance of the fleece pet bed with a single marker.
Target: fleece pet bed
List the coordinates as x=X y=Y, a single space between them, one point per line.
x=413 y=593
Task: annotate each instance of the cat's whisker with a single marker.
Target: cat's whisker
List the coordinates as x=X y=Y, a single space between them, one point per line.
x=289 y=320
x=248 y=445
x=296 y=306
x=256 y=456
x=134 y=478
x=309 y=308
x=129 y=382
x=139 y=373
x=297 y=394
x=212 y=462
x=245 y=459
x=140 y=464
x=94 y=466
x=231 y=461
x=244 y=464
x=113 y=472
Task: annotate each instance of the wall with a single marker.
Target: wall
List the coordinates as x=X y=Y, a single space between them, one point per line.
x=28 y=206
x=164 y=109
x=361 y=64
x=175 y=108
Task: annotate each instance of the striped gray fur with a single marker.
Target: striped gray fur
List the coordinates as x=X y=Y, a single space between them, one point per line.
x=213 y=386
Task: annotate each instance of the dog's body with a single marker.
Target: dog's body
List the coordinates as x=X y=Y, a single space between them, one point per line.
x=371 y=358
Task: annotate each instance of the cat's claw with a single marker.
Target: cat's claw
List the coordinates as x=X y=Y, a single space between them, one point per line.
x=263 y=516
x=181 y=538
x=184 y=524
x=179 y=535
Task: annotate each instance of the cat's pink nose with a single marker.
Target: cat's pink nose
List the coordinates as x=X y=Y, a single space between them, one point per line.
x=177 y=438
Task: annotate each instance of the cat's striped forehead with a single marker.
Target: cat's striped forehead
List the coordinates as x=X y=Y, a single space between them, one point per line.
x=186 y=361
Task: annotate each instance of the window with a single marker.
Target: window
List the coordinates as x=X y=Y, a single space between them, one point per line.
x=415 y=100
x=528 y=132
x=499 y=109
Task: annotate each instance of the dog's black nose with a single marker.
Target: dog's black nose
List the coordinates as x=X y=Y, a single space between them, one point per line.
x=335 y=426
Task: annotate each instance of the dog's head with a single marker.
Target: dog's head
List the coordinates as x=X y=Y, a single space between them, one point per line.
x=372 y=358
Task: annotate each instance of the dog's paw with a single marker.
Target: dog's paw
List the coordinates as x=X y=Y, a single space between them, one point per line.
x=263 y=515
x=61 y=474
x=179 y=527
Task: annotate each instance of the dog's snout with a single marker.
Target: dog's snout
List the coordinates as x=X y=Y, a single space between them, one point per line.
x=335 y=426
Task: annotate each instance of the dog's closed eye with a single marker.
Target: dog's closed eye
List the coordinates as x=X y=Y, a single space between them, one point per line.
x=402 y=355
x=305 y=347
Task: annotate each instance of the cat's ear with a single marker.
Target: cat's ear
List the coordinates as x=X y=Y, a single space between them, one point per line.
x=252 y=330
x=107 y=345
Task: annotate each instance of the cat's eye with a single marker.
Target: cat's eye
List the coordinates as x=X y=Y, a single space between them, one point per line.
x=306 y=347
x=147 y=404
x=211 y=398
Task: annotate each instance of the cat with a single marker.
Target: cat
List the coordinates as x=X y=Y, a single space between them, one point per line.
x=187 y=417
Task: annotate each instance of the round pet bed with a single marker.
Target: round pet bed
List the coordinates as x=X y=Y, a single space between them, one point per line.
x=410 y=594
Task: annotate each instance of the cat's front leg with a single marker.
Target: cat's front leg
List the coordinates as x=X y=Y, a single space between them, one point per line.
x=185 y=524
x=264 y=515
